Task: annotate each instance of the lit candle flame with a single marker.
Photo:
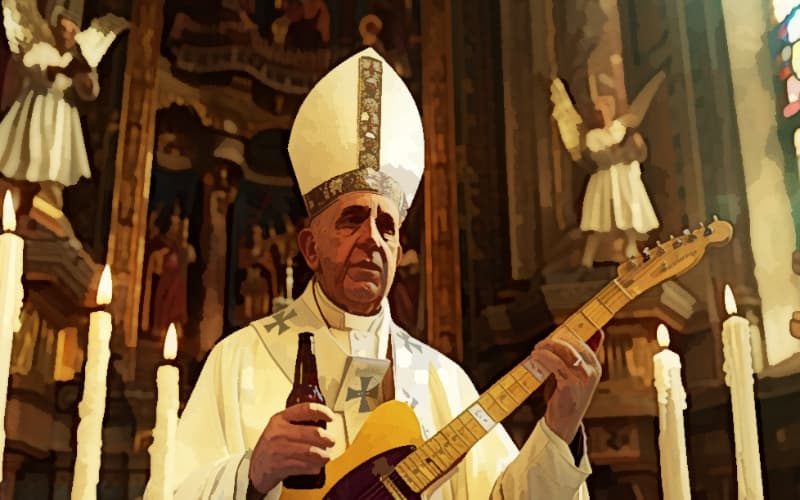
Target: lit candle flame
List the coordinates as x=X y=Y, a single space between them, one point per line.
x=171 y=343
x=9 y=217
x=730 y=302
x=662 y=334
x=105 y=287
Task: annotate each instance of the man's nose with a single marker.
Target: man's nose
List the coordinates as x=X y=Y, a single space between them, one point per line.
x=370 y=235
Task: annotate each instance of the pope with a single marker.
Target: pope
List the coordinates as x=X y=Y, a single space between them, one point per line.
x=358 y=153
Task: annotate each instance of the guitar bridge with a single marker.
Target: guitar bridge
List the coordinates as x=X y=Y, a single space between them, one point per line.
x=392 y=488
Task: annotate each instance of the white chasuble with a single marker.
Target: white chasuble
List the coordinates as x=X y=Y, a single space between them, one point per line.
x=248 y=376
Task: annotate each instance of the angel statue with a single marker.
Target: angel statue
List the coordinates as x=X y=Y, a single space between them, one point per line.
x=615 y=196
x=41 y=139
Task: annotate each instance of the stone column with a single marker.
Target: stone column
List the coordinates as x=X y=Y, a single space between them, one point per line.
x=772 y=235
x=133 y=167
x=442 y=257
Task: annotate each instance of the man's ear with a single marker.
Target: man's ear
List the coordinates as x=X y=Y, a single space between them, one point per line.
x=308 y=247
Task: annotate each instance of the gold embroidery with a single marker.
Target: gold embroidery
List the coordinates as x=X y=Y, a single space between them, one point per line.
x=367 y=176
x=363 y=179
x=370 y=79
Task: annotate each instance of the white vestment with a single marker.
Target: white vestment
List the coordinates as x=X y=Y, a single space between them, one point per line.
x=248 y=376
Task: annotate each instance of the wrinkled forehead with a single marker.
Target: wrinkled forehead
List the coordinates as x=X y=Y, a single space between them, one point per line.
x=374 y=202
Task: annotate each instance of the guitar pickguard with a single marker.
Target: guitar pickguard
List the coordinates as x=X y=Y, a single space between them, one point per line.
x=375 y=479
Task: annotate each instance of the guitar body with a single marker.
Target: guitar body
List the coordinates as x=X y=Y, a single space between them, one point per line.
x=390 y=434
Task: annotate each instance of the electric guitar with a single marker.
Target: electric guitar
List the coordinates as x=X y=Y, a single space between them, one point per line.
x=389 y=460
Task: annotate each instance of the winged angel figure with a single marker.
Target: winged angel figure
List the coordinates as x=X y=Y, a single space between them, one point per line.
x=41 y=139
x=615 y=196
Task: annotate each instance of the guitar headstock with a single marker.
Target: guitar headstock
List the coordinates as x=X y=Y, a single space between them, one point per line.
x=672 y=258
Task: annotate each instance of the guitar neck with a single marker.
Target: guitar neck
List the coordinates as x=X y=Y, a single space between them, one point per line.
x=445 y=449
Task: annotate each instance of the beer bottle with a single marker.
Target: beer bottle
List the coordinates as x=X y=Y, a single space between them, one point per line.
x=306 y=390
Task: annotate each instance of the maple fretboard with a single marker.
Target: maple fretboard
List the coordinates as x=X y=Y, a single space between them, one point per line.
x=438 y=455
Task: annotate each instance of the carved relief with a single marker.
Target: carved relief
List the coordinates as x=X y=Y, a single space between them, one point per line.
x=443 y=284
x=131 y=184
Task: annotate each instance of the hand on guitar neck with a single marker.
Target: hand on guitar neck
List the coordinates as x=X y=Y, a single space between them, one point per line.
x=576 y=371
x=287 y=449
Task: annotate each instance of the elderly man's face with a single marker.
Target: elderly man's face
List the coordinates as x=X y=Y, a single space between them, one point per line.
x=353 y=246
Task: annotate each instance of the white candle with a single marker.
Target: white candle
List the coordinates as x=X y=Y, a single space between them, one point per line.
x=162 y=452
x=671 y=404
x=289 y=278
x=93 y=405
x=11 y=293
x=738 y=367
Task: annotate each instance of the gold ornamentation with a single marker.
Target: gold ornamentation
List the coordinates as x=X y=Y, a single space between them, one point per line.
x=370 y=79
x=367 y=177
x=362 y=179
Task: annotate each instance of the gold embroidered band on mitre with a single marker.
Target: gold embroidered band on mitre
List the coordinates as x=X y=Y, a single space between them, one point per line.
x=367 y=177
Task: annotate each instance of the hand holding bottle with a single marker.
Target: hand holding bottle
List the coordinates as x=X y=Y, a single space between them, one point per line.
x=287 y=449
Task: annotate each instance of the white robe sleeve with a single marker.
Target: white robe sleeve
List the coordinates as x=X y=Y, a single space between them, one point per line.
x=211 y=460
x=544 y=468
x=495 y=468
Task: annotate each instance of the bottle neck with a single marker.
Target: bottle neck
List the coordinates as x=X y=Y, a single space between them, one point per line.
x=305 y=368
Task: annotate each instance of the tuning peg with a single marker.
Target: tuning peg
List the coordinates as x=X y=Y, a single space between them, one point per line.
x=707 y=231
x=716 y=219
x=677 y=243
x=687 y=232
x=689 y=236
x=646 y=253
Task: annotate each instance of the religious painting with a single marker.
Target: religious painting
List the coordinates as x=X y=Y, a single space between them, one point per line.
x=224 y=208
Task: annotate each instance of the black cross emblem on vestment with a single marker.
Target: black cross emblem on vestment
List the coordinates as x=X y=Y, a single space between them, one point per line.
x=412 y=402
x=408 y=343
x=280 y=320
x=363 y=394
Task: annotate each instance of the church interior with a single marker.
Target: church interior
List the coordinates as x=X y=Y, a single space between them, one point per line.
x=188 y=198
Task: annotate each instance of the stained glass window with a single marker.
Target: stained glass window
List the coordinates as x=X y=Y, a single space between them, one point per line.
x=782 y=8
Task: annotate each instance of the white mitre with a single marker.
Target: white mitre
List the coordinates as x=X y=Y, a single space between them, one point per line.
x=358 y=129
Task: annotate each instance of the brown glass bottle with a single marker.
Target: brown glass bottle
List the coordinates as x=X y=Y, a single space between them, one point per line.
x=306 y=390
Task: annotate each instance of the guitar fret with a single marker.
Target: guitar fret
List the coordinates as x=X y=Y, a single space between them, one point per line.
x=622 y=289
x=508 y=390
x=413 y=478
x=452 y=437
x=603 y=303
x=569 y=328
x=468 y=429
x=529 y=382
x=431 y=458
x=496 y=400
x=457 y=436
x=436 y=450
x=444 y=448
x=421 y=467
x=492 y=407
x=588 y=318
